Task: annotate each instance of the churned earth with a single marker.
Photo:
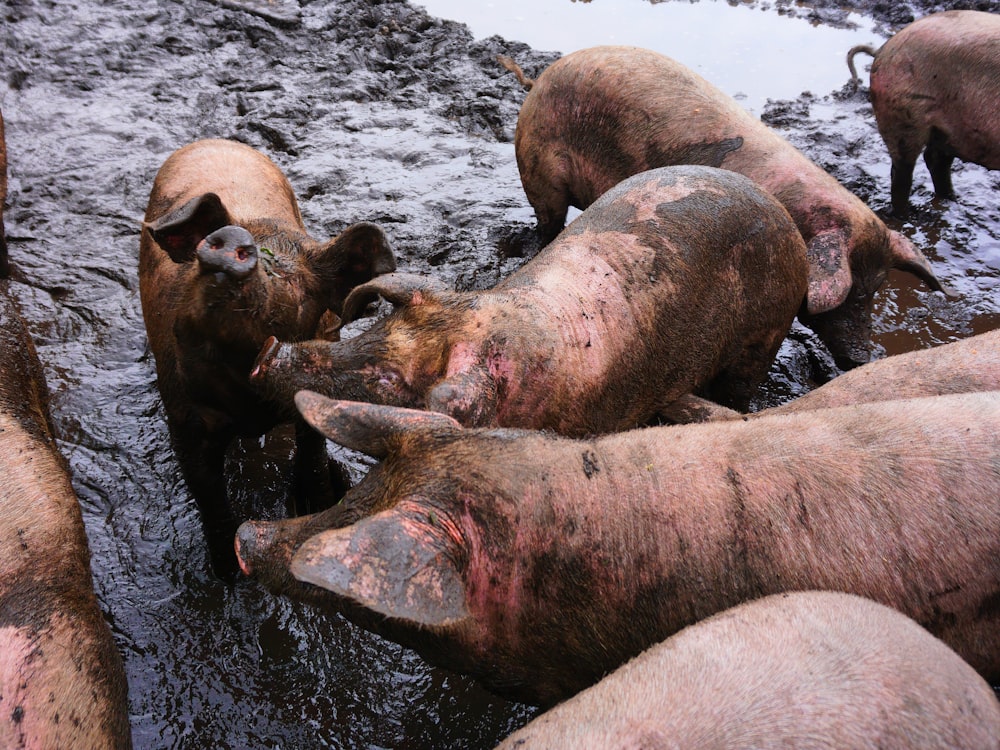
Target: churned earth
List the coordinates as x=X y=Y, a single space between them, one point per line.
x=376 y=111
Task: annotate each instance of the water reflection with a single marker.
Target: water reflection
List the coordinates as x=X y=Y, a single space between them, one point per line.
x=751 y=53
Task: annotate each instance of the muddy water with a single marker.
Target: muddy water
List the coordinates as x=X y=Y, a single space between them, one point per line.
x=377 y=112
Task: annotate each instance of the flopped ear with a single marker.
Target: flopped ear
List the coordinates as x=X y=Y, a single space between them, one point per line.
x=372 y=429
x=830 y=277
x=180 y=231
x=906 y=257
x=396 y=288
x=390 y=564
x=469 y=396
x=358 y=254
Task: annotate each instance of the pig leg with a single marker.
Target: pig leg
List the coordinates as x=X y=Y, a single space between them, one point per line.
x=903 y=152
x=319 y=482
x=737 y=382
x=938 y=157
x=201 y=455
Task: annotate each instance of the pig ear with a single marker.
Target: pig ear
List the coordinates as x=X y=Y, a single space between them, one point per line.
x=355 y=256
x=397 y=288
x=180 y=231
x=906 y=257
x=372 y=429
x=390 y=564
x=830 y=277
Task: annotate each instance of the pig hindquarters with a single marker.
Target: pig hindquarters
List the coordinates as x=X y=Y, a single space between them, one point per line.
x=680 y=279
x=802 y=670
x=225 y=262
x=598 y=115
x=538 y=563
x=935 y=87
x=62 y=683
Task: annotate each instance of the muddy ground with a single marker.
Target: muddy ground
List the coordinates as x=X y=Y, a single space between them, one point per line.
x=376 y=112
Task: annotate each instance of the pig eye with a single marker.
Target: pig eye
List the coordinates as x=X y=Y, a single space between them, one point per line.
x=389 y=379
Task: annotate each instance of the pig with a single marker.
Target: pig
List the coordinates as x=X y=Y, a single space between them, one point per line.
x=598 y=115
x=971 y=364
x=225 y=262
x=62 y=682
x=678 y=279
x=538 y=563
x=4 y=261
x=810 y=669
x=935 y=87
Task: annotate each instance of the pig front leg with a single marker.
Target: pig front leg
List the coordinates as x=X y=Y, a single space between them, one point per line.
x=319 y=482
x=201 y=455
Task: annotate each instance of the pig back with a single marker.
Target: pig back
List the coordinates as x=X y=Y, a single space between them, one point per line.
x=599 y=115
x=62 y=682
x=251 y=186
x=806 y=669
x=676 y=279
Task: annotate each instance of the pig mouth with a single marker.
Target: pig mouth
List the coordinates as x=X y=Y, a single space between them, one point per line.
x=267 y=354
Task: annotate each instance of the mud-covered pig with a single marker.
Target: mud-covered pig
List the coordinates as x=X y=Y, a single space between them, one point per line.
x=601 y=114
x=935 y=88
x=538 y=563
x=963 y=366
x=62 y=683
x=225 y=262
x=813 y=669
x=678 y=279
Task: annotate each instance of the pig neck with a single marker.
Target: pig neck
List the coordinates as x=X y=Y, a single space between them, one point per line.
x=549 y=343
x=815 y=200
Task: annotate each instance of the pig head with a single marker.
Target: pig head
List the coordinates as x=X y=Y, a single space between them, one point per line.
x=539 y=563
x=805 y=669
x=677 y=280
x=225 y=262
x=599 y=115
x=62 y=683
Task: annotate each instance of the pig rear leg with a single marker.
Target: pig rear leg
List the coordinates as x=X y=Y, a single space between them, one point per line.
x=901 y=177
x=939 y=157
x=736 y=384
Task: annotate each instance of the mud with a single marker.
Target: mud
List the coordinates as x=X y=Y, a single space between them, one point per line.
x=377 y=112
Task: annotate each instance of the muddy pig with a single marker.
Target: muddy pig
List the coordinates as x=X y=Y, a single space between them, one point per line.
x=225 y=262
x=538 y=563
x=599 y=115
x=935 y=87
x=678 y=279
x=62 y=682
x=813 y=669
x=971 y=364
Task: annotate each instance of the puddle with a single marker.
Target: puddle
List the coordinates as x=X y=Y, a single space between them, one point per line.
x=752 y=53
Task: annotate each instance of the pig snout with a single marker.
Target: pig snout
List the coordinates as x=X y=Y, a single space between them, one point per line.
x=230 y=250
x=253 y=541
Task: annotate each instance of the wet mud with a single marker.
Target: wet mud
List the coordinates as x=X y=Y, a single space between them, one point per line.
x=377 y=112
